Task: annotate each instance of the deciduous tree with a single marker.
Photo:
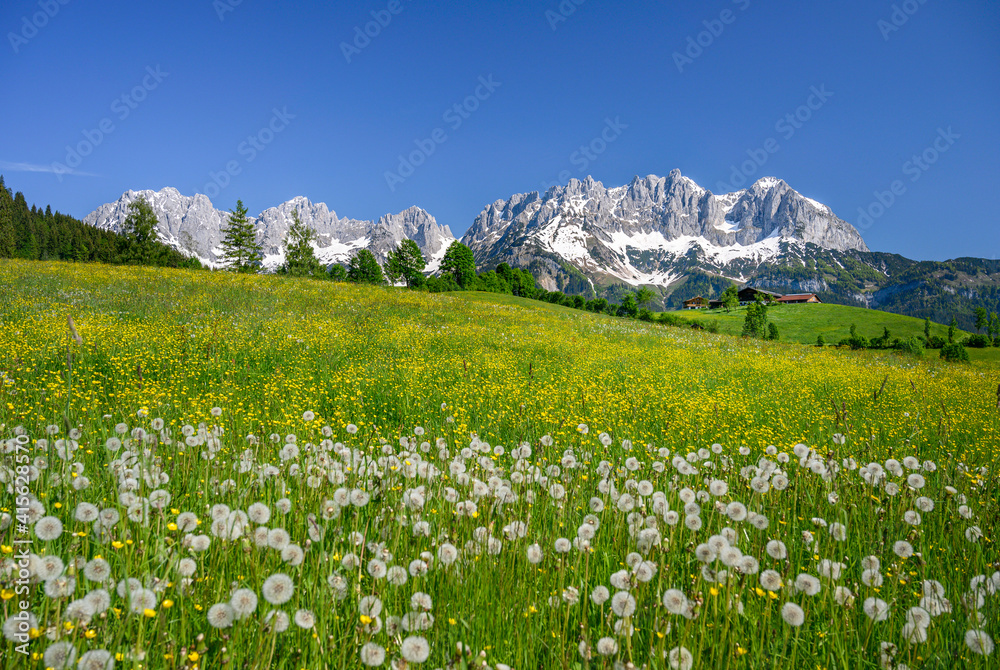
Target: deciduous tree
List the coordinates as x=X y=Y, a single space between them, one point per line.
x=459 y=262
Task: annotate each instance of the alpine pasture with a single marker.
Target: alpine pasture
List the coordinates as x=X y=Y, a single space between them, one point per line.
x=208 y=470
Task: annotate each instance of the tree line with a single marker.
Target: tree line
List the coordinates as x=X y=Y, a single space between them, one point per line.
x=33 y=233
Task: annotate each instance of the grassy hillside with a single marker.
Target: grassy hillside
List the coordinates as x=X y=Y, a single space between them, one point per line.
x=307 y=474
x=803 y=323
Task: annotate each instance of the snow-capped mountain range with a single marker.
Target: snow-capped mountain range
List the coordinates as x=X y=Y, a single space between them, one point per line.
x=193 y=226
x=652 y=229
x=648 y=232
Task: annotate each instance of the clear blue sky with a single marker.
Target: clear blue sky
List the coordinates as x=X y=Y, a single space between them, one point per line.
x=220 y=81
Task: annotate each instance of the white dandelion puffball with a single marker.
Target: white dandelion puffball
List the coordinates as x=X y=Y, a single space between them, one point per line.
x=679 y=658
x=96 y=659
x=979 y=642
x=607 y=646
x=600 y=595
x=221 y=615
x=304 y=619
x=770 y=580
x=623 y=604
x=61 y=656
x=793 y=614
x=807 y=584
x=876 y=609
x=243 y=602
x=415 y=649
x=447 y=554
x=372 y=655
x=277 y=621
x=776 y=549
x=48 y=528
x=675 y=601
x=534 y=552
x=903 y=549
x=278 y=588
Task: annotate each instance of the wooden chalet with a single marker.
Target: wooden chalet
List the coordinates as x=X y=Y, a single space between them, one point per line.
x=748 y=295
x=798 y=298
x=698 y=302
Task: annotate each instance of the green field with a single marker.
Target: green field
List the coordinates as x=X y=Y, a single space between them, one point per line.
x=247 y=471
x=803 y=323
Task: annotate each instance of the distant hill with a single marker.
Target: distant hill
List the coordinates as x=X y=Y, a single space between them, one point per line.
x=803 y=323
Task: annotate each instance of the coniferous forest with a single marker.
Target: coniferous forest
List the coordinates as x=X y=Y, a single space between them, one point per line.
x=33 y=233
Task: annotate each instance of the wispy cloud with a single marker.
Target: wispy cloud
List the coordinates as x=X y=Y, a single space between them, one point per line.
x=31 y=167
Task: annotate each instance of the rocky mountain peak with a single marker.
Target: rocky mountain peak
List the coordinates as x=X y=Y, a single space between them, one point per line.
x=194 y=226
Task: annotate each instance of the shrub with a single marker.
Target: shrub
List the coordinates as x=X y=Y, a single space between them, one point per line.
x=977 y=341
x=954 y=353
x=935 y=342
x=910 y=346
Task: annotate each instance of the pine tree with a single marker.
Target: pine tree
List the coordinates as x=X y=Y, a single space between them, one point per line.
x=300 y=259
x=241 y=251
x=982 y=319
x=8 y=239
x=364 y=269
x=460 y=264
x=337 y=272
x=644 y=296
x=406 y=262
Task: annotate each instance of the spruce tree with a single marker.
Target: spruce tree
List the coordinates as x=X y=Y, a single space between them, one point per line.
x=241 y=251
x=8 y=238
x=300 y=259
x=364 y=269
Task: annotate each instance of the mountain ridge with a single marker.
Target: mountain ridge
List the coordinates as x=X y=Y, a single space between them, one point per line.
x=193 y=225
x=583 y=238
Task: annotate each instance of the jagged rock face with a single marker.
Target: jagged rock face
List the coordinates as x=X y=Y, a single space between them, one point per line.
x=651 y=230
x=192 y=225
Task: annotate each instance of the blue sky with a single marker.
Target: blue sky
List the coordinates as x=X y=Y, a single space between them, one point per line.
x=262 y=101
